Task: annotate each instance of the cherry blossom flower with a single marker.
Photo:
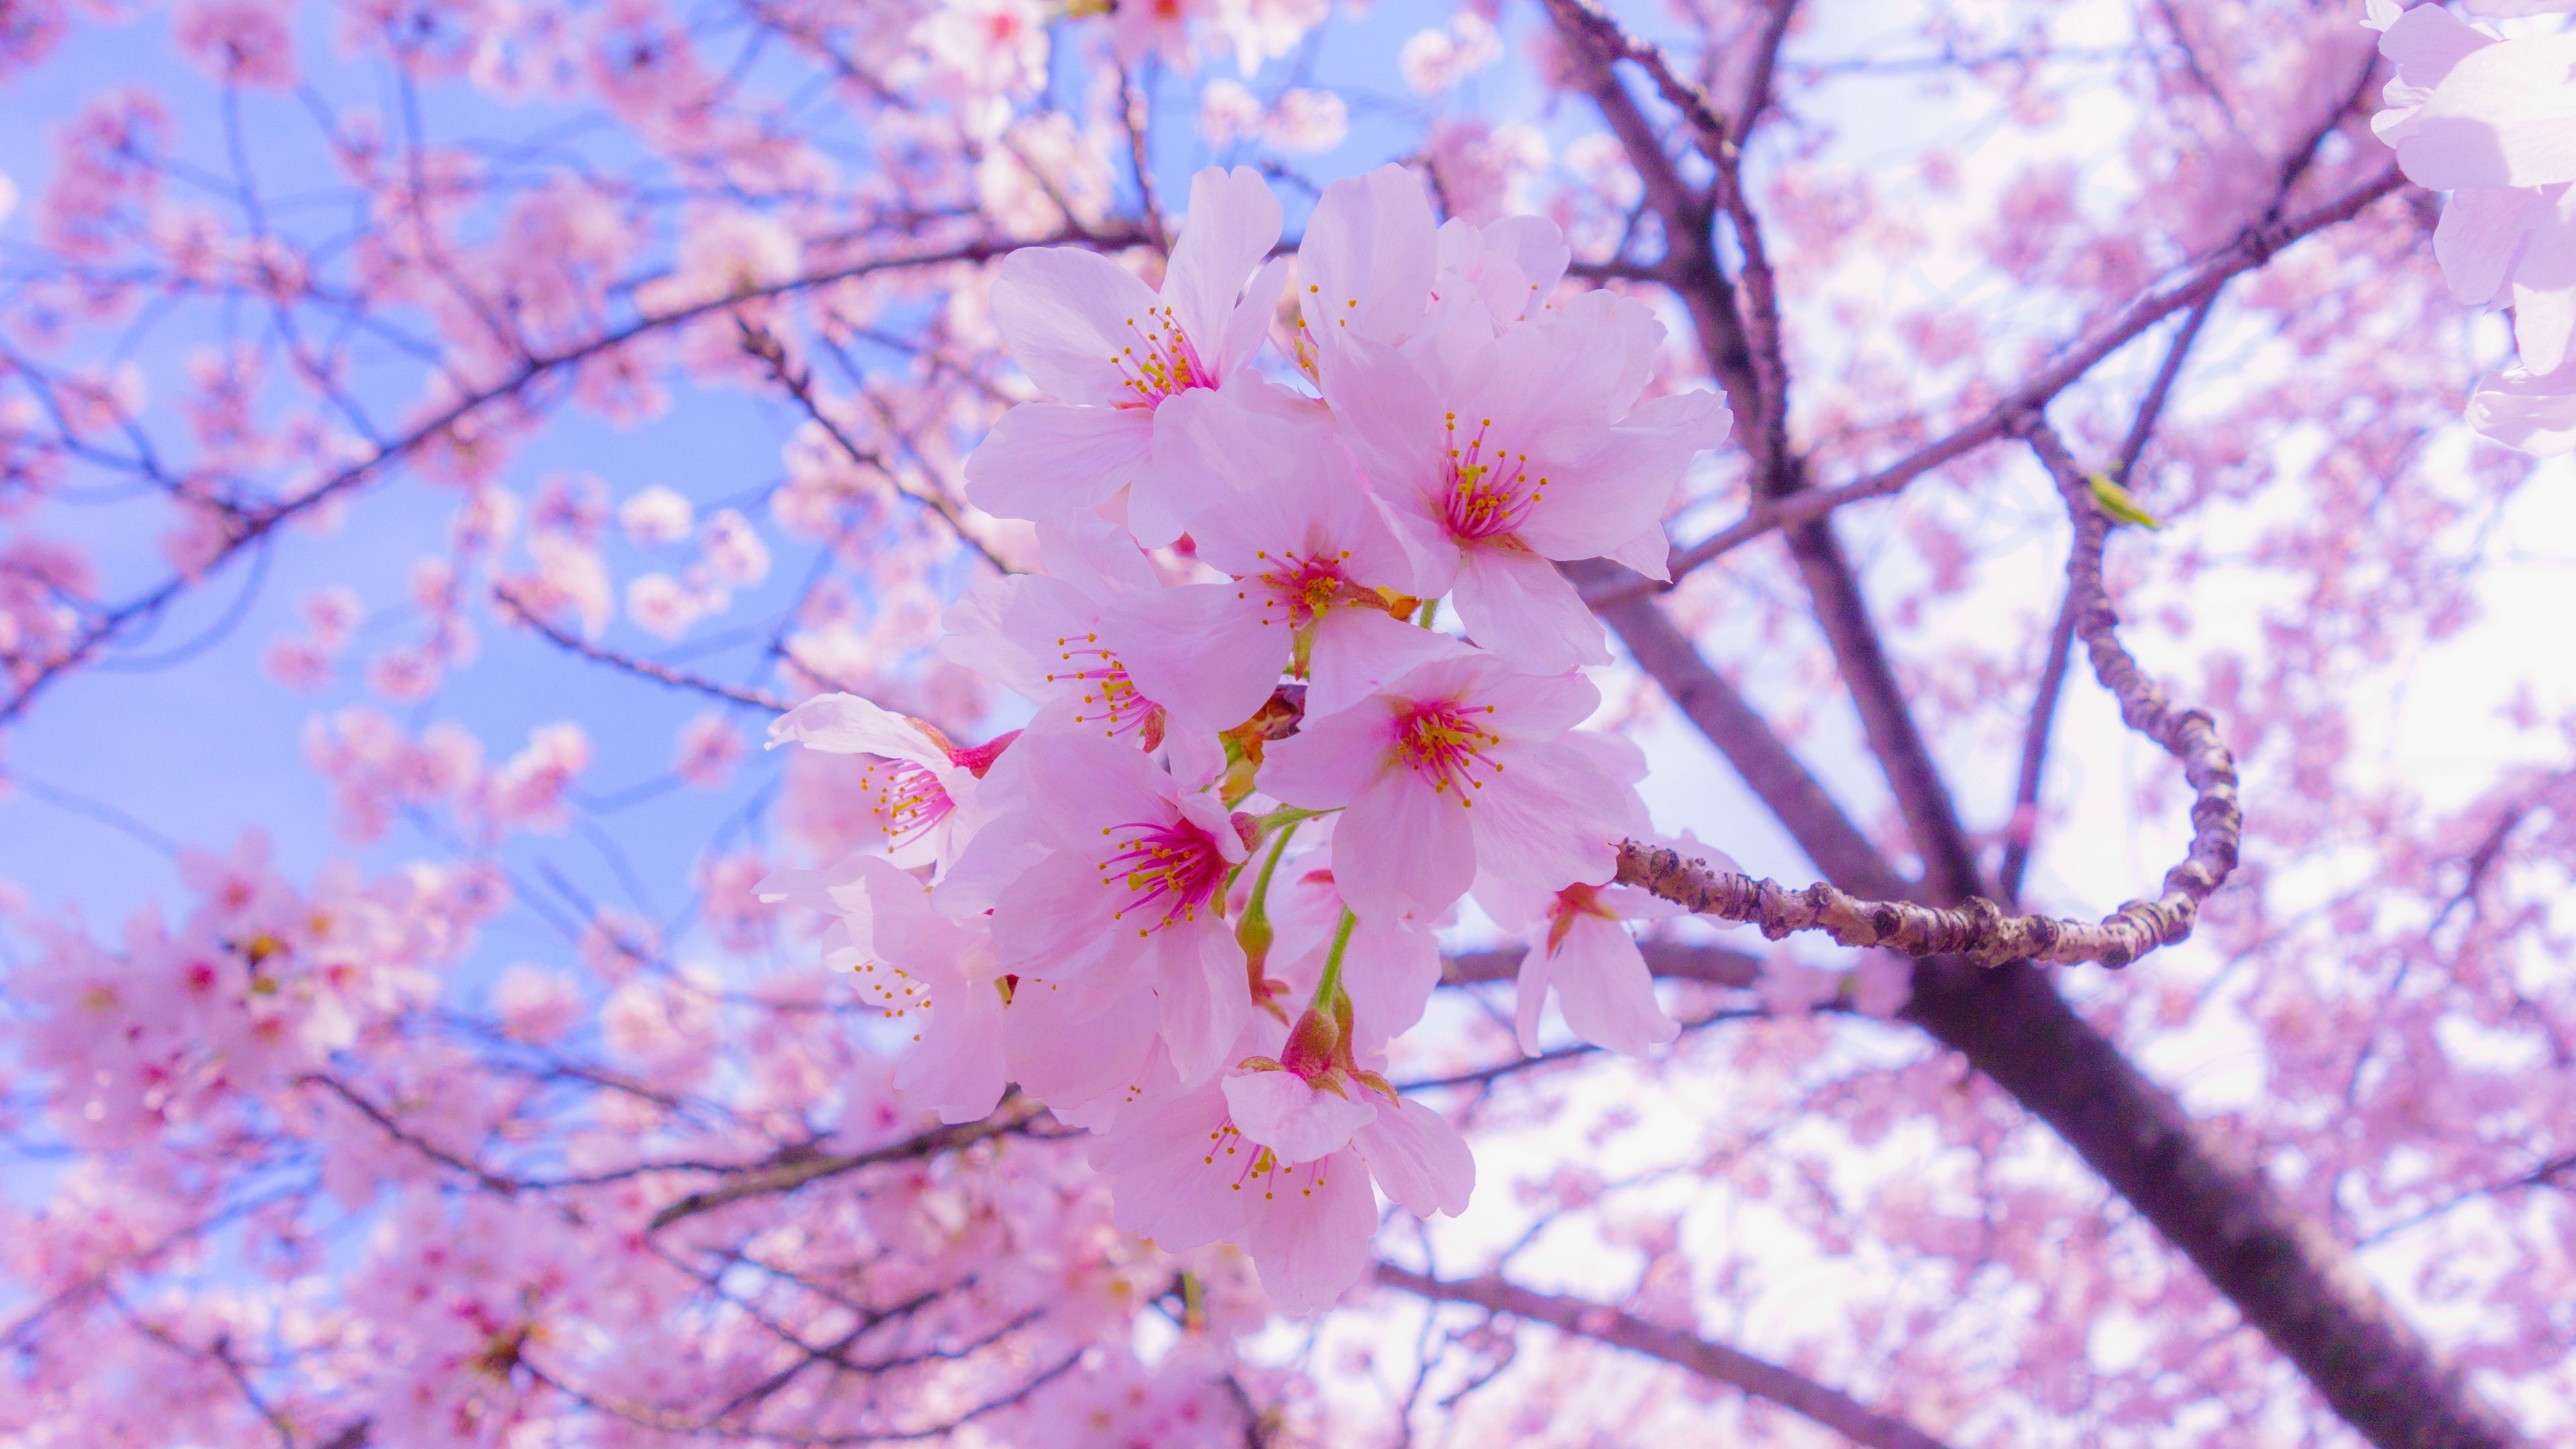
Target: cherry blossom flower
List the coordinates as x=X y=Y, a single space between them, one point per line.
x=922 y=789
x=1532 y=447
x=1111 y=351
x=656 y=516
x=2493 y=121
x=1451 y=768
x=708 y=749
x=1195 y=1167
x=1320 y=581
x=1129 y=892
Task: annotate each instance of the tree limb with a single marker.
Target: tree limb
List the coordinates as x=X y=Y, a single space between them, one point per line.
x=1758 y=1377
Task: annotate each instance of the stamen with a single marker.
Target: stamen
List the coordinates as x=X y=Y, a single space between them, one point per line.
x=909 y=799
x=1446 y=743
x=1174 y=868
x=1161 y=361
x=1489 y=490
x=1109 y=697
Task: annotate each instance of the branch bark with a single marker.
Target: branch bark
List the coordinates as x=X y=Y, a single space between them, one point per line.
x=1739 y=331
x=1715 y=1361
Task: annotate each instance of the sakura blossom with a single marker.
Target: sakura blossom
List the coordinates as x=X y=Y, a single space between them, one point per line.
x=1550 y=723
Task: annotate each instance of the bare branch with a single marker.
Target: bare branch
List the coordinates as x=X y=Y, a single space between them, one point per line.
x=1015 y=1115
x=798 y=383
x=1762 y=1379
x=642 y=668
x=2248 y=252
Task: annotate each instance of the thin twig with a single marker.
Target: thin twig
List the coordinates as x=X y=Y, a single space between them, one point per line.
x=2248 y=252
x=798 y=383
x=642 y=668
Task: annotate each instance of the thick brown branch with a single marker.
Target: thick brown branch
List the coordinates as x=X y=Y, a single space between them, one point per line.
x=1836 y=847
x=1714 y=1361
x=2289 y=1278
x=1977 y=929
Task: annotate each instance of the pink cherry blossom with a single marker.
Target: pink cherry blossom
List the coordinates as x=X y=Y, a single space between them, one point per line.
x=1531 y=448
x=1451 y=768
x=922 y=789
x=1128 y=893
x=1112 y=350
x=1314 y=561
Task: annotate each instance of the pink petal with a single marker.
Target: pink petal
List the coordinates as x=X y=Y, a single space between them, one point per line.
x=1281 y=1112
x=1067 y=1062
x=1204 y=991
x=1051 y=920
x=1358 y=649
x=1094 y=555
x=2505 y=115
x=1390 y=971
x=1065 y=312
x=955 y=1065
x=1241 y=342
x=1080 y=785
x=1536 y=250
x=1203 y=650
x=1331 y=759
x=1175 y=1169
x=1308 y=1226
x=844 y=724
x=1233 y=221
x=2480 y=238
x=1044 y=459
x=1605 y=990
x=1366 y=259
x=2536 y=413
x=1401 y=847
x=1550 y=818
x=1419 y=1159
x=2544 y=292
x=1517 y=605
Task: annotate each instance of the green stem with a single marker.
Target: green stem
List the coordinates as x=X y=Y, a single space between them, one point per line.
x=1329 y=985
x=1289 y=815
x=1430 y=613
x=1255 y=913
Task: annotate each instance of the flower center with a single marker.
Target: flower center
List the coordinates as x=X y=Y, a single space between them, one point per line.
x=1109 y=697
x=1166 y=872
x=909 y=799
x=1490 y=490
x=1161 y=361
x=1305 y=585
x=1571 y=903
x=1444 y=742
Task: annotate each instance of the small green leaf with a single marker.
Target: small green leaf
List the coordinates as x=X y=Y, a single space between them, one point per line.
x=2115 y=501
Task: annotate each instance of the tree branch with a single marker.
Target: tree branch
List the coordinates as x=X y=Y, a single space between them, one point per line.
x=1832 y=843
x=1015 y=1115
x=642 y=668
x=2256 y=246
x=1760 y=1378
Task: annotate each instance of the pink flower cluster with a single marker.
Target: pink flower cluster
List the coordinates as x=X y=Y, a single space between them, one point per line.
x=1255 y=770
x=2492 y=120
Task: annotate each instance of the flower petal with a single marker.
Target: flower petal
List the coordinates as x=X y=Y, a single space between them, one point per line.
x=1282 y=1112
x=1045 y=459
x=1419 y=1159
x=1067 y=313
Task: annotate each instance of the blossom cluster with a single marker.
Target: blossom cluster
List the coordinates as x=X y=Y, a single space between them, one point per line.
x=1189 y=904
x=2491 y=119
